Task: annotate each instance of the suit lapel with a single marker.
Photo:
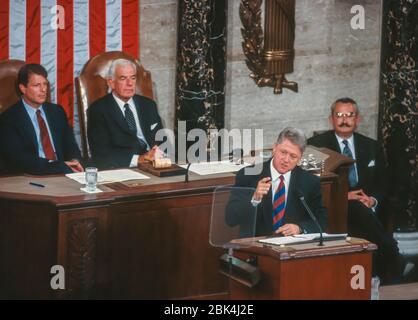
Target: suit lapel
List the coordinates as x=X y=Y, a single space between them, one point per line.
x=361 y=156
x=290 y=203
x=26 y=124
x=55 y=130
x=267 y=203
x=117 y=115
x=333 y=142
x=139 y=109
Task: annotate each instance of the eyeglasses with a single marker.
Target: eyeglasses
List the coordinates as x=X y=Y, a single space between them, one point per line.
x=345 y=114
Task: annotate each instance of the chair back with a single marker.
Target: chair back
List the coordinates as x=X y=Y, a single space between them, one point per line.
x=9 y=93
x=92 y=85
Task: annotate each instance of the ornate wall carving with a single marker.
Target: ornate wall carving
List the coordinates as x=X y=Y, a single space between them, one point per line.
x=398 y=114
x=270 y=53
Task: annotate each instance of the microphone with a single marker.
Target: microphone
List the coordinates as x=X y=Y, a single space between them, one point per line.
x=301 y=197
x=186 y=176
x=237 y=156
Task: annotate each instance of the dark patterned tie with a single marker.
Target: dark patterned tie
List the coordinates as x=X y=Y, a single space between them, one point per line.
x=279 y=204
x=129 y=116
x=352 y=178
x=45 y=139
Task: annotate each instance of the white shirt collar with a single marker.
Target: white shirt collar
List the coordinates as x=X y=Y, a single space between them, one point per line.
x=122 y=103
x=350 y=141
x=275 y=174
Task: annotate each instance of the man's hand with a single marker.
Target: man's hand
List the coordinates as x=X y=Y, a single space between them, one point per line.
x=263 y=188
x=359 y=195
x=75 y=165
x=288 y=229
x=154 y=153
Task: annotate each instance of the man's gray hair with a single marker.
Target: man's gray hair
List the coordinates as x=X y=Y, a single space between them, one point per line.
x=345 y=100
x=118 y=63
x=294 y=135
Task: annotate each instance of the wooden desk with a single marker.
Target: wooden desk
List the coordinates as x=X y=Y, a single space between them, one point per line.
x=146 y=239
x=307 y=271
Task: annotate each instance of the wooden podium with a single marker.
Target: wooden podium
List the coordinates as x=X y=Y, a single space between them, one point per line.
x=307 y=271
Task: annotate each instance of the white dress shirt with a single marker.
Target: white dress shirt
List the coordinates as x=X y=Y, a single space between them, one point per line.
x=350 y=141
x=139 y=133
x=275 y=181
x=34 y=119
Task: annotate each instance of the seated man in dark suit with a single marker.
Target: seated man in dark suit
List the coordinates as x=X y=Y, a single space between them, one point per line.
x=122 y=125
x=278 y=187
x=364 y=191
x=35 y=136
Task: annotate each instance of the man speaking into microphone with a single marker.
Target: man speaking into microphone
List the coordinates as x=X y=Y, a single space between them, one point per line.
x=278 y=189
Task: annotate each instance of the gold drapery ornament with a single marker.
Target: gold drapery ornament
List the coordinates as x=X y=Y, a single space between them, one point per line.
x=270 y=53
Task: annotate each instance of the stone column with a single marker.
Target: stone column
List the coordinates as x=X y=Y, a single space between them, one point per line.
x=398 y=108
x=201 y=61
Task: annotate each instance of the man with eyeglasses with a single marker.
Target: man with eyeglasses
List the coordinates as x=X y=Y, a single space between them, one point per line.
x=365 y=191
x=278 y=186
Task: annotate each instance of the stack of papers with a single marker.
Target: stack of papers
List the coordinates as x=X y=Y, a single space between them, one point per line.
x=213 y=167
x=109 y=176
x=303 y=238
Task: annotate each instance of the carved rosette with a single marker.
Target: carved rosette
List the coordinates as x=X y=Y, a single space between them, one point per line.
x=81 y=257
x=399 y=106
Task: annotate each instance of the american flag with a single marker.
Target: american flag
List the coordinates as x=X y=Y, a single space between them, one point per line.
x=63 y=35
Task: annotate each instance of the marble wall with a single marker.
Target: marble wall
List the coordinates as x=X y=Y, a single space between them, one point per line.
x=158 y=41
x=332 y=60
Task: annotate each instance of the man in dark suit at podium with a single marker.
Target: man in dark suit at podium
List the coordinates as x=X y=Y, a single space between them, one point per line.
x=365 y=192
x=122 y=125
x=35 y=136
x=278 y=186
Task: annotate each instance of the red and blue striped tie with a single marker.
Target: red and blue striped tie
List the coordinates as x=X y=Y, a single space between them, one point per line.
x=279 y=204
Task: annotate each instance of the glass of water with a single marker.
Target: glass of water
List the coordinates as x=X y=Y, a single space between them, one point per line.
x=91 y=179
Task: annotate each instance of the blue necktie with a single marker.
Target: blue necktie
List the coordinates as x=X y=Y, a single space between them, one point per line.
x=352 y=178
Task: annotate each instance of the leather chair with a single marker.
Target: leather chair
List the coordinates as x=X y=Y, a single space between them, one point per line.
x=9 y=93
x=92 y=85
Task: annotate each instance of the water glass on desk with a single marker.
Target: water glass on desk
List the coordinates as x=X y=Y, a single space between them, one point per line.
x=91 y=179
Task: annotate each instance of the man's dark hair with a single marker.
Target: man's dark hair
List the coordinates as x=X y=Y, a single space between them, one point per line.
x=27 y=70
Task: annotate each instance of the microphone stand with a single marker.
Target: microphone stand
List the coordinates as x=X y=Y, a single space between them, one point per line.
x=186 y=177
x=321 y=238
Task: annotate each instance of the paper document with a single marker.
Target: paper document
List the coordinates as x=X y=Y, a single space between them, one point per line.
x=204 y=168
x=303 y=238
x=109 y=176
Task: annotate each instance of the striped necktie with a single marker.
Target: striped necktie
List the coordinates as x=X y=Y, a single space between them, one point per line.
x=279 y=204
x=352 y=178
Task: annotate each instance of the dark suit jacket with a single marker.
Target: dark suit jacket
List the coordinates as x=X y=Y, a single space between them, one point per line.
x=19 y=146
x=366 y=153
x=111 y=142
x=239 y=208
